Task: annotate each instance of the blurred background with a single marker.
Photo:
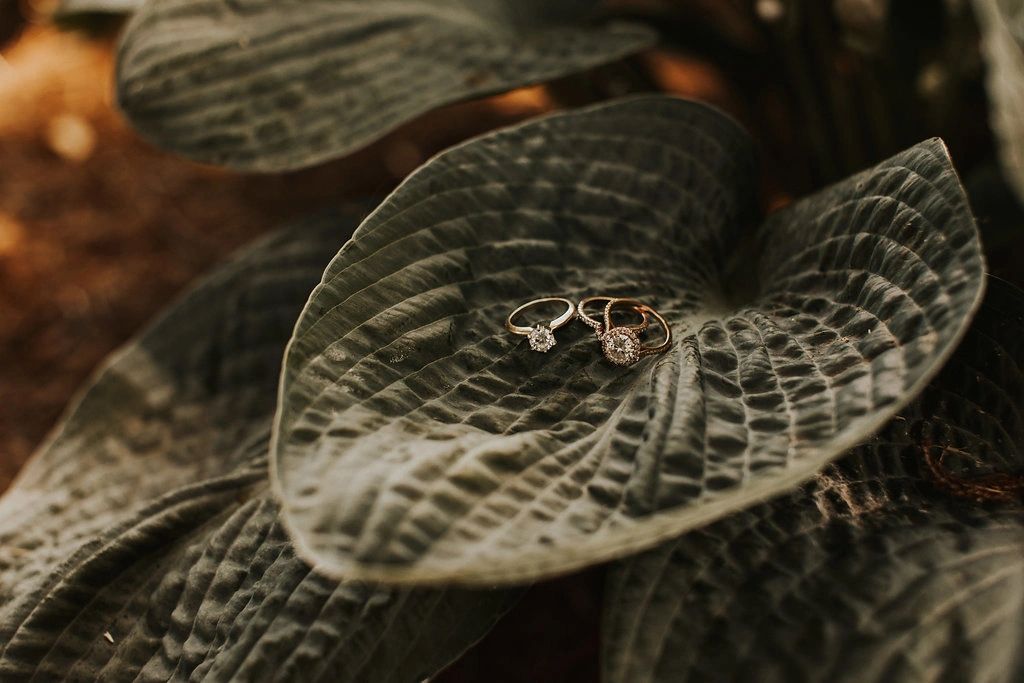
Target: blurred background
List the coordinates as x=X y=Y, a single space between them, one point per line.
x=99 y=230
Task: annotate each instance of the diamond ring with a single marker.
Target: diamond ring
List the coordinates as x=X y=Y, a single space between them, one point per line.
x=541 y=336
x=622 y=345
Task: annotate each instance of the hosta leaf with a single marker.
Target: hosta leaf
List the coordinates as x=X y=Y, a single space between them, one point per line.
x=418 y=441
x=873 y=572
x=205 y=586
x=1002 y=28
x=142 y=544
x=186 y=403
x=70 y=7
x=272 y=84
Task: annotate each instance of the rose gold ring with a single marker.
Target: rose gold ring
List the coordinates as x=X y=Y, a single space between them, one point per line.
x=541 y=335
x=622 y=345
x=599 y=325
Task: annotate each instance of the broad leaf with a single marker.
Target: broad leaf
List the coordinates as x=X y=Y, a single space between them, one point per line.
x=873 y=572
x=1002 y=28
x=141 y=542
x=68 y=8
x=418 y=441
x=187 y=402
x=280 y=84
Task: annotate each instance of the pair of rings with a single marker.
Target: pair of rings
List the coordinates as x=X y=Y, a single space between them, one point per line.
x=621 y=344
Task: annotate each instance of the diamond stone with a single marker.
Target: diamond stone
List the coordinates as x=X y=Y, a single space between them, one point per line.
x=621 y=346
x=541 y=339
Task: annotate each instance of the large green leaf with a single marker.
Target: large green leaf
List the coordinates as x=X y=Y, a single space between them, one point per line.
x=67 y=8
x=279 y=84
x=141 y=542
x=1002 y=29
x=873 y=572
x=188 y=402
x=418 y=441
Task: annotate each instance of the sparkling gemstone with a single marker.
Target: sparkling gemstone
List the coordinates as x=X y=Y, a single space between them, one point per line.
x=621 y=347
x=541 y=339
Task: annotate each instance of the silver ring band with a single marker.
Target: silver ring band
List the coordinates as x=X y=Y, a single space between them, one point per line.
x=569 y=314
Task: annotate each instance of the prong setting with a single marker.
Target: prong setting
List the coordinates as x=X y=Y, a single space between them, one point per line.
x=541 y=338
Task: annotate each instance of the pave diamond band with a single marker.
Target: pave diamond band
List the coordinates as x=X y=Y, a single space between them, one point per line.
x=598 y=323
x=541 y=336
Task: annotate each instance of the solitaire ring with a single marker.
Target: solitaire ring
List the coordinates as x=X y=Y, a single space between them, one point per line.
x=541 y=336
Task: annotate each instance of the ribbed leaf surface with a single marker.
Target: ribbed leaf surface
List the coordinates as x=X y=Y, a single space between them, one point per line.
x=873 y=572
x=141 y=543
x=279 y=84
x=190 y=401
x=418 y=441
x=67 y=8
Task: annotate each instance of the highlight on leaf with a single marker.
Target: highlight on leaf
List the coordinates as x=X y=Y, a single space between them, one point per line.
x=876 y=570
x=70 y=8
x=416 y=442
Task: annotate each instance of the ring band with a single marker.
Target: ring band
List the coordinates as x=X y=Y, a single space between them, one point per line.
x=540 y=335
x=598 y=325
x=622 y=345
